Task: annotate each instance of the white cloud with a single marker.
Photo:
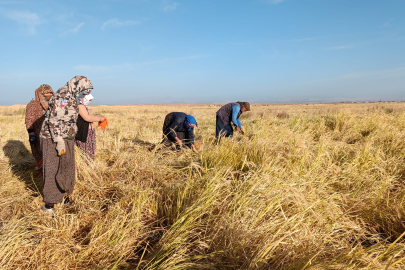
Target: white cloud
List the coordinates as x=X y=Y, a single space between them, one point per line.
x=169 y=7
x=274 y=1
x=77 y=28
x=344 y=47
x=73 y=30
x=63 y=17
x=117 y=23
x=28 y=19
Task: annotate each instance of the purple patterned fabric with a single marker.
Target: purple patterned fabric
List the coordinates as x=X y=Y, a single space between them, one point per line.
x=89 y=147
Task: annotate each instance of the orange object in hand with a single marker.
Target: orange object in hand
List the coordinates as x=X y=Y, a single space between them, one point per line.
x=103 y=125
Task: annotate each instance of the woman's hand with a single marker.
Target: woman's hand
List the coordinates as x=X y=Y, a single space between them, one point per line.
x=179 y=142
x=102 y=119
x=60 y=146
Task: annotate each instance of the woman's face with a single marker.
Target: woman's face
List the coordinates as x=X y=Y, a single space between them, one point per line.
x=48 y=96
x=87 y=99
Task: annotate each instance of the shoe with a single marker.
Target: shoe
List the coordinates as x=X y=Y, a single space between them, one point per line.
x=48 y=210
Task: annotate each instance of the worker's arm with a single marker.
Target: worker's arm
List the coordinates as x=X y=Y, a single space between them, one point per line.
x=179 y=142
x=239 y=123
x=235 y=112
x=191 y=138
x=88 y=117
x=172 y=133
x=235 y=120
x=29 y=119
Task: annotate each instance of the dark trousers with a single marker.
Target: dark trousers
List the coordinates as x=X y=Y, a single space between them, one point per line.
x=222 y=130
x=37 y=151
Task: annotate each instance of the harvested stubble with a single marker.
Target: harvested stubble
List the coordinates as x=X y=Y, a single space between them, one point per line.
x=321 y=189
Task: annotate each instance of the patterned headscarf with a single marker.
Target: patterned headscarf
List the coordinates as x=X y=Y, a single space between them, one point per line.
x=39 y=95
x=63 y=111
x=66 y=95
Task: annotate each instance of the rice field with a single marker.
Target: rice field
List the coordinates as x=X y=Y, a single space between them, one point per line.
x=317 y=186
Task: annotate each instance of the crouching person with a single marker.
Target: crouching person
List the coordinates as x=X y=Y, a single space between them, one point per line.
x=230 y=114
x=57 y=135
x=178 y=128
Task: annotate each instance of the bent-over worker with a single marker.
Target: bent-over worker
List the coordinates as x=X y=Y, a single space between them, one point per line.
x=178 y=128
x=230 y=114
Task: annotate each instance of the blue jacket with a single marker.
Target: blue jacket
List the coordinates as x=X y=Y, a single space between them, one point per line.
x=235 y=114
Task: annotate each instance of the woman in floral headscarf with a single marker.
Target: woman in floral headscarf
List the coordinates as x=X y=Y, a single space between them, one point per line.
x=34 y=117
x=57 y=135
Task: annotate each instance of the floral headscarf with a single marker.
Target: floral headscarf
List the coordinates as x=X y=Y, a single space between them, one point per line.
x=39 y=95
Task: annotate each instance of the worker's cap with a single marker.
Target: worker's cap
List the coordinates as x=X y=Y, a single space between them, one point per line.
x=246 y=105
x=191 y=119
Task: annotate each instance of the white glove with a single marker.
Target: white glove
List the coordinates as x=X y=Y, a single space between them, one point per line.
x=60 y=146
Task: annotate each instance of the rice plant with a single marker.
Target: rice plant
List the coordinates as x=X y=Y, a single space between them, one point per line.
x=320 y=189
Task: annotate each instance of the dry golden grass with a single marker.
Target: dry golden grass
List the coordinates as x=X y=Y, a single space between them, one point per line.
x=320 y=189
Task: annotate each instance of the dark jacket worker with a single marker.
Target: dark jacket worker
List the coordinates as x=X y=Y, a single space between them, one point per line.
x=178 y=128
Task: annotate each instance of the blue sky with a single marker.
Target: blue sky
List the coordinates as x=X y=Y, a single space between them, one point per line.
x=205 y=51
